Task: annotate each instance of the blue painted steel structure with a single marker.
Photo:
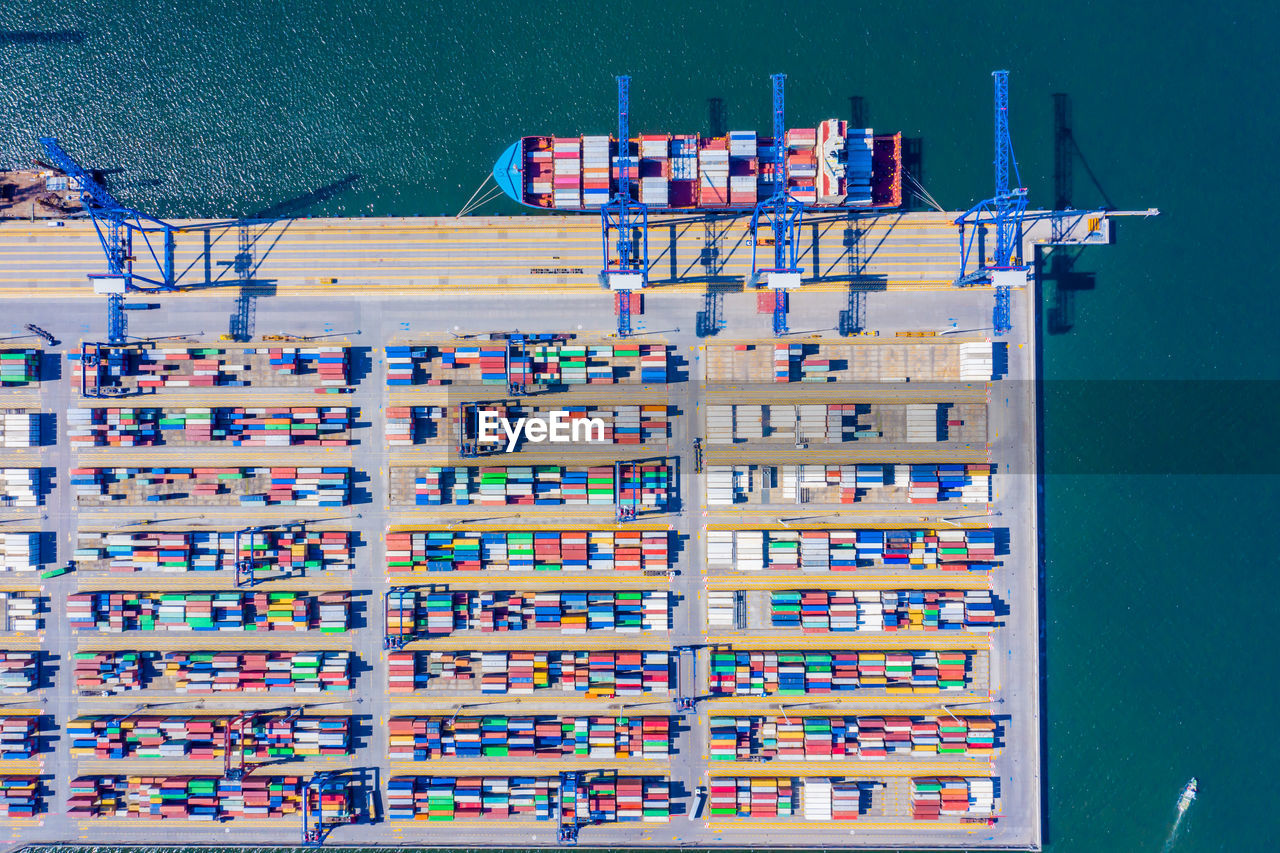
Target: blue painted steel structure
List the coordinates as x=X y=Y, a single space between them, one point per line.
x=389 y=640
x=568 y=833
x=571 y=785
x=116 y=226
x=781 y=212
x=245 y=565
x=1004 y=210
x=780 y=300
x=314 y=824
x=313 y=829
x=624 y=215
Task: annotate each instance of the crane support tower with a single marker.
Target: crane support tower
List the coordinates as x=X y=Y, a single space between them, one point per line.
x=630 y=270
x=1004 y=210
x=782 y=214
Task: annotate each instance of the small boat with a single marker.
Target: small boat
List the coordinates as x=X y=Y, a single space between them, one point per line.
x=1188 y=794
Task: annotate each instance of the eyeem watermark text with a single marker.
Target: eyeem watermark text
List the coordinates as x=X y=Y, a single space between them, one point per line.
x=558 y=427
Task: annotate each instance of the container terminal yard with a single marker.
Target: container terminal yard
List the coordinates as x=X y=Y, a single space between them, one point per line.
x=269 y=579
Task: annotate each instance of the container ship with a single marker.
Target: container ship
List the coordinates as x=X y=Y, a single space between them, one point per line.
x=828 y=166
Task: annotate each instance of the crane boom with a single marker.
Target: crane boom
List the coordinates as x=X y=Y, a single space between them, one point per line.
x=1004 y=210
x=630 y=269
x=781 y=213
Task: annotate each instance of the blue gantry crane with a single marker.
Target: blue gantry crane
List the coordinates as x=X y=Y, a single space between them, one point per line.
x=317 y=819
x=117 y=226
x=579 y=814
x=781 y=213
x=314 y=826
x=245 y=565
x=402 y=599
x=630 y=269
x=1004 y=211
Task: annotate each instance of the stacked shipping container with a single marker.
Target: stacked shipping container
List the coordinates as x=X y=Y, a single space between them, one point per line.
x=567 y=172
x=847 y=550
x=201 y=797
x=20 y=552
x=603 y=674
x=21 y=611
x=288 y=551
x=498 y=736
x=527 y=551
x=207 y=367
x=262 y=738
x=437 y=612
x=322 y=487
x=327 y=612
x=655 y=171
x=832 y=423
x=20 y=429
x=18 y=737
x=713 y=173
x=21 y=488
x=644 y=485
x=819 y=611
x=761 y=673
x=239 y=426
x=766 y=797
x=802 y=164
x=607 y=797
x=19 y=367
x=20 y=797
x=19 y=672
x=543 y=364
x=940 y=799
x=930 y=484
x=259 y=671
x=826 y=738
x=109 y=672
x=834 y=799
x=595 y=171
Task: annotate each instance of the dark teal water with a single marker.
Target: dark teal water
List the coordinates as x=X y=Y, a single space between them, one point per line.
x=1159 y=623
